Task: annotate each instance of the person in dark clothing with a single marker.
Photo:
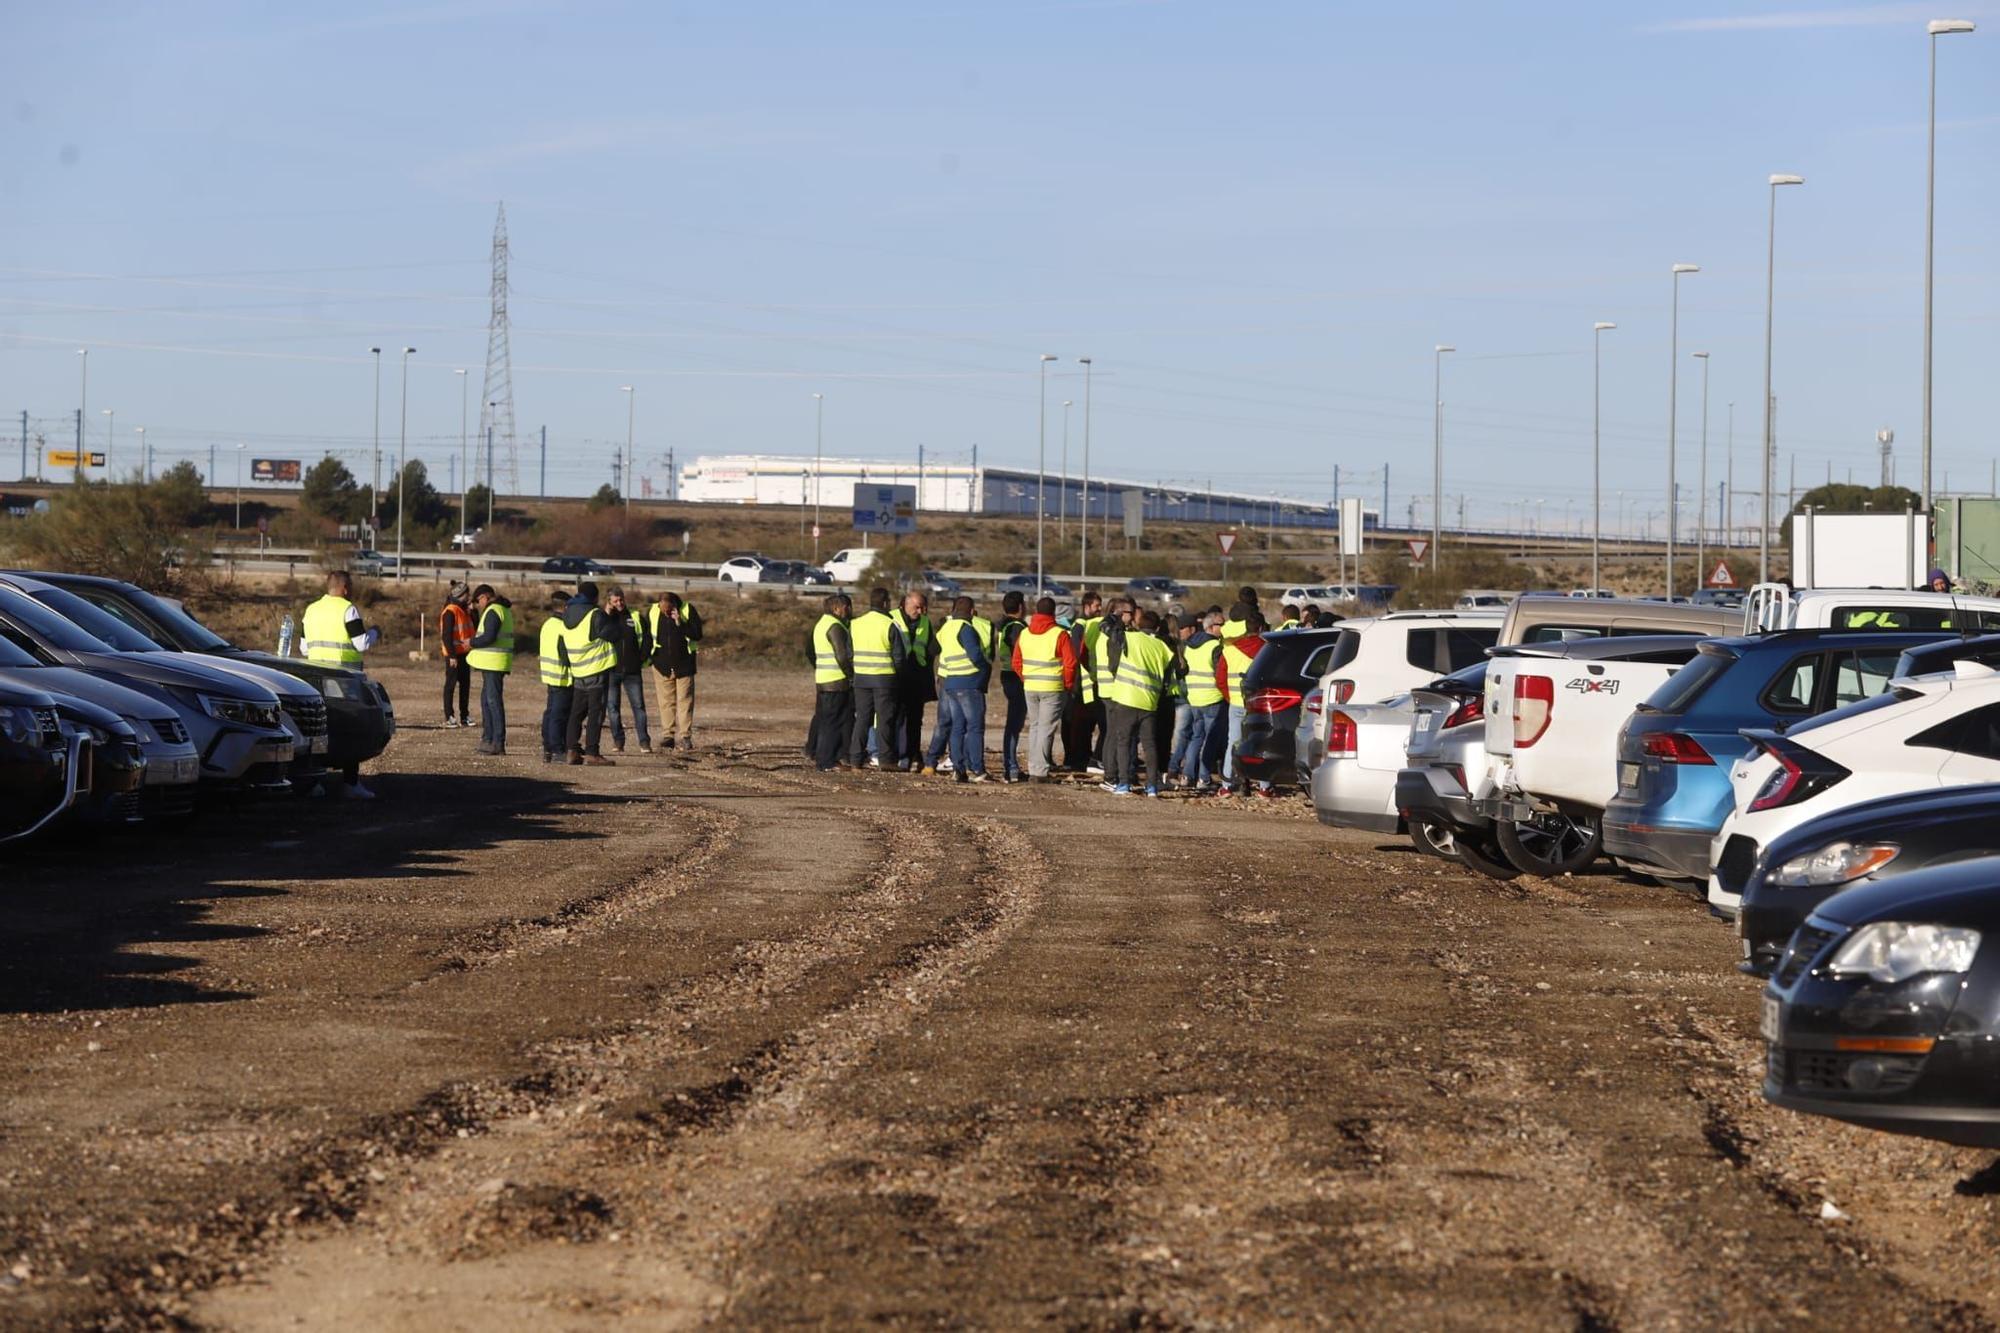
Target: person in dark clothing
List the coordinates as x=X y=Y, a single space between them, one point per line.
x=676 y=629
x=880 y=654
x=1011 y=624
x=833 y=701
x=631 y=647
x=491 y=654
x=555 y=712
x=1083 y=720
x=916 y=685
x=454 y=642
x=586 y=652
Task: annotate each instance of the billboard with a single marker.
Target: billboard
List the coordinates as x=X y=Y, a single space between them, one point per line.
x=888 y=509
x=68 y=458
x=275 y=469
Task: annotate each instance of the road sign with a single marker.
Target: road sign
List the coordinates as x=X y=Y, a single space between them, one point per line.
x=1418 y=545
x=815 y=532
x=1351 y=524
x=1720 y=577
x=68 y=457
x=890 y=509
x=1226 y=540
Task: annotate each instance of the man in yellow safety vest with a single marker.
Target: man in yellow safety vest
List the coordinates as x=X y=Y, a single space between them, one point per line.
x=555 y=675
x=1133 y=663
x=831 y=651
x=333 y=633
x=966 y=644
x=879 y=653
x=587 y=651
x=1083 y=727
x=492 y=656
x=1046 y=663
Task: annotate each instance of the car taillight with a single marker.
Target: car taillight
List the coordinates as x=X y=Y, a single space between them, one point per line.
x=1343 y=691
x=1342 y=737
x=1778 y=788
x=1272 y=701
x=1534 y=704
x=1670 y=747
x=1313 y=702
x=1464 y=713
x=1802 y=774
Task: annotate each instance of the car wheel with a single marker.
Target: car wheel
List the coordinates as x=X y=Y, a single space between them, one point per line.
x=1482 y=855
x=1433 y=838
x=1551 y=844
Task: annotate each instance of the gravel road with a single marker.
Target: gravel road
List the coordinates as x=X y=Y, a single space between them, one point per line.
x=723 y=1040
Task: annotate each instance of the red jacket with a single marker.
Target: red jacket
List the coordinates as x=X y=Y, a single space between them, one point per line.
x=1065 y=650
x=1249 y=645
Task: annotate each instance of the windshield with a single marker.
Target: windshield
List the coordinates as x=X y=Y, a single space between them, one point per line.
x=47 y=627
x=193 y=636
x=120 y=635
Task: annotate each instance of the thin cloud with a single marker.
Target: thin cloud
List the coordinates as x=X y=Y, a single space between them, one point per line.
x=622 y=135
x=1859 y=16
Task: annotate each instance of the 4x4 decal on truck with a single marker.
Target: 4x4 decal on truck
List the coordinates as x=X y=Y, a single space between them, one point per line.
x=1586 y=685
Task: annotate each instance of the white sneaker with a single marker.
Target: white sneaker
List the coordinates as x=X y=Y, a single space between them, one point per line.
x=944 y=764
x=451 y=722
x=874 y=763
x=357 y=792
x=1095 y=770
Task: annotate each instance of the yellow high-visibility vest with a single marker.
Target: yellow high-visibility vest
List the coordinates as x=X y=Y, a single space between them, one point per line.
x=1201 y=687
x=1142 y=672
x=554 y=674
x=870 y=632
x=1238 y=663
x=953 y=660
x=1041 y=664
x=499 y=657
x=826 y=662
x=587 y=656
x=325 y=628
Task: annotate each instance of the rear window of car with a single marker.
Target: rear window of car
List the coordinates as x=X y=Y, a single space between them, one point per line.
x=1887 y=699
x=1346 y=645
x=1447 y=650
x=1677 y=693
x=1913 y=617
x=1289 y=659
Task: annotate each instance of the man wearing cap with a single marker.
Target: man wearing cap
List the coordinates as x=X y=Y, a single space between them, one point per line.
x=587 y=653
x=454 y=642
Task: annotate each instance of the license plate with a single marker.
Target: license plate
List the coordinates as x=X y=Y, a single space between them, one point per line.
x=1769 y=1025
x=1425 y=717
x=278 y=751
x=319 y=745
x=1628 y=776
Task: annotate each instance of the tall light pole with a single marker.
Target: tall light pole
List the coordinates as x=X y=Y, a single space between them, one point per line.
x=82 y=406
x=239 y=485
x=145 y=456
x=1673 y=406
x=1701 y=509
x=403 y=463
x=1770 y=295
x=1437 y=450
x=1729 y=483
x=819 y=445
x=1083 y=523
x=1938 y=28
x=631 y=410
x=1041 y=465
x=1062 y=499
x=375 y=486
x=1597 y=332
x=464 y=458
x=110 y=425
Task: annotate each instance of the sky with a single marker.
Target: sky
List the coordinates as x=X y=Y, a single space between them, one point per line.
x=1257 y=219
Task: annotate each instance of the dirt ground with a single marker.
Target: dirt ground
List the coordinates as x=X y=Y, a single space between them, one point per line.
x=723 y=1040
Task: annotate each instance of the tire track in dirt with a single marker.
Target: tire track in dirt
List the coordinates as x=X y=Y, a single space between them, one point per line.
x=678 y=1184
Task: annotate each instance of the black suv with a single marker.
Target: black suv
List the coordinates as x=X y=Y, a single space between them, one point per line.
x=35 y=762
x=1286 y=669
x=359 y=717
x=575 y=566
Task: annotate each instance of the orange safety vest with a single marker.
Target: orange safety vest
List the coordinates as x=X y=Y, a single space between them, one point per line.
x=454 y=631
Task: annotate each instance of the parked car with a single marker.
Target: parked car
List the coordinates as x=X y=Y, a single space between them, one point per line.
x=1286 y=669
x=237 y=726
x=360 y=718
x=1482 y=599
x=304 y=708
x=1328 y=595
x=371 y=562
x=109 y=794
x=465 y=541
x=781 y=571
x=1884 y=1011
x=1160 y=593
x=1675 y=752
x=1025 y=585
x=576 y=567
x=1940 y=730
x=811 y=574
x=39 y=762
x=745 y=569
x=939 y=584
x=1553 y=714
x=1546 y=617
x=1379 y=656
x=1773 y=606
x=851 y=565
x=1874 y=842
x=1445 y=764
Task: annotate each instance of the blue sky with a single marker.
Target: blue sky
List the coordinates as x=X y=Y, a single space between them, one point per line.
x=1257 y=218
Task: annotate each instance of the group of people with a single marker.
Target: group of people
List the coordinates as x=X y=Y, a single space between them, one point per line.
x=593 y=655
x=1113 y=681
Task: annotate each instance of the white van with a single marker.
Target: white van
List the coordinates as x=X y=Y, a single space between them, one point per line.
x=851 y=565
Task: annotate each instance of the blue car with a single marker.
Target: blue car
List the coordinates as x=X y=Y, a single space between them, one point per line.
x=1675 y=753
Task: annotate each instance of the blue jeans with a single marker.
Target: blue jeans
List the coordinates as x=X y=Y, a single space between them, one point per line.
x=965 y=714
x=633 y=688
x=1229 y=745
x=1017 y=718
x=493 y=708
x=555 y=718
x=941 y=738
x=1191 y=745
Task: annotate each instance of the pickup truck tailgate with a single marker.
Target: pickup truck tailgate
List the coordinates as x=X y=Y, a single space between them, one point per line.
x=1556 y=721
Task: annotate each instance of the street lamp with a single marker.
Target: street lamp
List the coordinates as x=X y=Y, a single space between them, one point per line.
x=1701 y=509
x=631 y=408
x=239 y=486
x=819 y=442
x=1083 y=525
x=1041 y=466
x=1770 y=294
x=403 y=463
x=82 y=406
x=145 y=456
x=1062 y=498
x=110 y=424
x=1938 y=28
x=1673 y=406
x=1437 y=450
x=375 y=486
x=464 y=459
x=1597 y=332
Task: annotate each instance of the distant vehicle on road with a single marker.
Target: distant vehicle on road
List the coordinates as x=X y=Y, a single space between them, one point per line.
x=575 y=566
x=1025 y=585
x=939 y=584
x=1482 y=599
x=851 y=565
x=749 y=569
x=1158 y=592
x=465 y=541
x=371 y=562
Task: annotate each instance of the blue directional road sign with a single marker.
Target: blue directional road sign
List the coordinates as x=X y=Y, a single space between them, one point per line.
x=885 y=509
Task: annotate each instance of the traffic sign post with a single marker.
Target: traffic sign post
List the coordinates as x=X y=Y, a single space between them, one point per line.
x=1227 y=541
x=1720 y=577
x=890 y=509
x=1418 y=545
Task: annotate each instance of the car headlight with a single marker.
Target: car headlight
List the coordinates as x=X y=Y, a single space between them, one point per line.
x=18 y=725
x=1835 y=863
x=143 y=730
x=244 y=711
x=1898 y=950
x=350 y=688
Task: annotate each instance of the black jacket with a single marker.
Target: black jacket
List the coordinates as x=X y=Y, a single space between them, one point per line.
x=673 y=650
x=628 y=653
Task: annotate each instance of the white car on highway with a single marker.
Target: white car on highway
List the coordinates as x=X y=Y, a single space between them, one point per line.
x=742 y=569
x=1938 y=730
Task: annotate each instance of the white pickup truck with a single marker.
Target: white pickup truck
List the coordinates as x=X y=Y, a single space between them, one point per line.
x=1553 y=712
x=1774 y=606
